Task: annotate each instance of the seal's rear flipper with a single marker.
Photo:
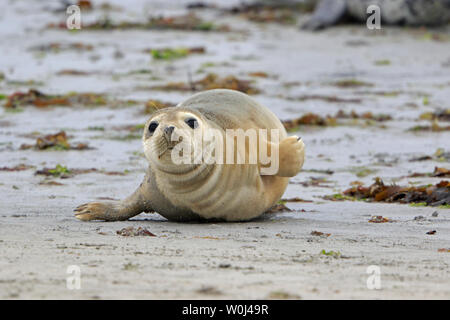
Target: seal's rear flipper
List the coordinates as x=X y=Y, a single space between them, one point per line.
x=327 y=13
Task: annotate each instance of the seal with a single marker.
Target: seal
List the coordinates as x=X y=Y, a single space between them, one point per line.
x=229 y=188
x=406 y=12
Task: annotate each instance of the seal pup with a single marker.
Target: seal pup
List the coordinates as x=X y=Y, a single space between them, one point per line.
x=217 y=190
x=408 y=12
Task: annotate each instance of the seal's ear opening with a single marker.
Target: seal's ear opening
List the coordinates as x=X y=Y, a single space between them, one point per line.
x=192 y=123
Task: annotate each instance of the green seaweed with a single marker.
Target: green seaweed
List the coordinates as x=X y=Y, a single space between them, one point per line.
x=59 y=170
x=169 y=54
x=331 y=253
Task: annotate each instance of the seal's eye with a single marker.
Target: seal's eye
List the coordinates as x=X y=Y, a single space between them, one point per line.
x=152 y=127
x=191 y=122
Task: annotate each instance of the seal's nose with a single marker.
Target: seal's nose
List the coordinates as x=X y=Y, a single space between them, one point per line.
x=168 y=132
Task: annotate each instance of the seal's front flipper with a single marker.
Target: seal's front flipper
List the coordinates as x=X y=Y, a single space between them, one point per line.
x=327 y=13
x=112 y=210
x=291 y=155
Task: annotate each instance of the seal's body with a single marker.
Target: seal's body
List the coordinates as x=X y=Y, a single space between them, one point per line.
x=409 y=12
x=207 y=190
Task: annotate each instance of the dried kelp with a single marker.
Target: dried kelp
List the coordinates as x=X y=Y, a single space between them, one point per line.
x=441 y=115
x=313 y=119
x=57 y=141
x=133 y=232
x=39 y=99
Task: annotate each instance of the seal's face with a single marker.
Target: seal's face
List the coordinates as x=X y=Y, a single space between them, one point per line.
x=168 y=128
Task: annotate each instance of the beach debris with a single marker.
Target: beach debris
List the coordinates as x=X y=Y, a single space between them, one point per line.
x=444 y=250
x=60 y=171
x=434 y=127
x=187 y=22
x=383 y=62
x=264 y=15
x=57 y=141
x=50 y=183
x=431 y=232
x=440 y=155
x=351 y=83
x=441 y=115
x=316 y=182
x=174 y=53
x=208 y=238
x=208 y=290
x=441 y=172
x=282 y=12
x=331 y=253
x=379 y=219
x=320 y=234
x=279 y=207
x=73 y=72
x=34 y=97
x=84 y=4
x=331 y=99
x=56 y=47
x=310 y=119
x=295 y=199
x=313 y=119
x=365 y=115
x=258 y=74
x=438 y=172
x=325 y=171
x=211 y=81
x=283 y=295
x=132 y=232
x=39 y=99
x=200 y=5
x=19 y=167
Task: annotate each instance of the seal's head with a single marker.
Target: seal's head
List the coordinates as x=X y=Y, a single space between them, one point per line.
x=171 y=130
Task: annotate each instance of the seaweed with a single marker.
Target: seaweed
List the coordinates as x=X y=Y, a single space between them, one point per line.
x=188 y=22
x=211 y=81
x=351 y=83
x=281 y=12
x=19 y=167
x=63 y=172
x=132 y=232
x=313 y=119
x=441 y=115
x=55 y=142
x=431 y=195
x=42 y=100
x=174 y=53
